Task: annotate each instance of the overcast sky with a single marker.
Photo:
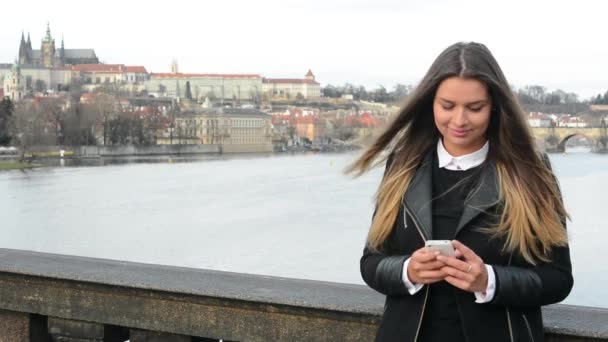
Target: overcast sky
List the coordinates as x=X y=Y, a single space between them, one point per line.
x=558 y=44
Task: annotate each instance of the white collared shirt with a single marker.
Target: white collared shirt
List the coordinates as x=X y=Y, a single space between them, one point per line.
x=464 y=162
x=460 y=163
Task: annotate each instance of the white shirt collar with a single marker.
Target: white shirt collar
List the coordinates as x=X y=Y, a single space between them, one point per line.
x=463 y=162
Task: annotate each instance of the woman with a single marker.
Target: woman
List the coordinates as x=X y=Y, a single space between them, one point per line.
x=463 y=167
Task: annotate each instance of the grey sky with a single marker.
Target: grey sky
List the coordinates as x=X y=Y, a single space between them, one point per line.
x=559 y=44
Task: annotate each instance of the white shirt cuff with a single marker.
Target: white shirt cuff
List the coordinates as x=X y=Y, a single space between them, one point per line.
x=411 y=288
x=479 y=296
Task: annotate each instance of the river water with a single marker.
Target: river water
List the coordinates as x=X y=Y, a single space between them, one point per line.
x=284 y=215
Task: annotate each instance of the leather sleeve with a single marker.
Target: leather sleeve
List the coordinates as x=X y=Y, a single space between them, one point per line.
x=381 y=271
x=545 y=283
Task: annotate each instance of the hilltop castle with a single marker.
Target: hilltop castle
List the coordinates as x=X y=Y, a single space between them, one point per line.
x=49 y=56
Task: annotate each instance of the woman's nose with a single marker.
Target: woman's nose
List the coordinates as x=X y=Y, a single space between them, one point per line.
x=460 y=117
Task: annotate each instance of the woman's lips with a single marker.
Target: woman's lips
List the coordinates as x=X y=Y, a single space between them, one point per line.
x=460 y=132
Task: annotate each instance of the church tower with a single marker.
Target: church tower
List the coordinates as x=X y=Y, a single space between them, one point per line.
x=23 y=51
x=174 y=67
x=14 y=87
x=47 y=49
x=61 y=53
x=310 y=76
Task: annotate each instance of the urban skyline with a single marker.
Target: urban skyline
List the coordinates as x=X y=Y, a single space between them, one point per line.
x=362 y=43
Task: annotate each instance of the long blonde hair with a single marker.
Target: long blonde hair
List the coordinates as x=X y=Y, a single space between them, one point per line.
x=532 y=219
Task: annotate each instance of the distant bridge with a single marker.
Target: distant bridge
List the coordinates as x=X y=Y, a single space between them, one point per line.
x=555 y=138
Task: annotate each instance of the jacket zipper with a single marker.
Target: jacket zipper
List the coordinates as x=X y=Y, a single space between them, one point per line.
x=407 y=211
x=426 y=293
x=510 y=326
x=507 y=308
x=528 y=326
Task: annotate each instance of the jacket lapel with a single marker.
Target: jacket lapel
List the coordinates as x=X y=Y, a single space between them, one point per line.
x=484 y=196
x=419 y=195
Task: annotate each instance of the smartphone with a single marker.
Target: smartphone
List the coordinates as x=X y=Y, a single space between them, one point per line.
x=442 y=246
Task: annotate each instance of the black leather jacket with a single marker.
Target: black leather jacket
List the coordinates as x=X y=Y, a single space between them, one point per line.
x=521 y=288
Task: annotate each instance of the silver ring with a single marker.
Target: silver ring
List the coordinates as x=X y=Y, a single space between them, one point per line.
x=470 y=268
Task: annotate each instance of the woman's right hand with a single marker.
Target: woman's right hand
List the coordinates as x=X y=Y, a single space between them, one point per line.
x=424 y=268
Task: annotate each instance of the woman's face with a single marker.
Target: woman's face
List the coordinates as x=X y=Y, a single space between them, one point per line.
x=462 y=108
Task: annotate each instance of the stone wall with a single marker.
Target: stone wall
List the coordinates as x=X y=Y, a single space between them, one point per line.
x=82 y=299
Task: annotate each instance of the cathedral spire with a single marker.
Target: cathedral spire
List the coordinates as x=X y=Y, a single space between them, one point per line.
x=47 y=37
x=29 y=41
x=47 y=49
x=62 y=52
x=23 y=53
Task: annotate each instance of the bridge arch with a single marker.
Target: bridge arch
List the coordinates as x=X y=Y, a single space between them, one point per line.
x=564 y=140
x=555 y=138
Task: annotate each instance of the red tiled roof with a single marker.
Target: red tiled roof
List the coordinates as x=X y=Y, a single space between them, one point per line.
x=309 y=73
x=136 y=69
x=180 y=75
x=288 y=80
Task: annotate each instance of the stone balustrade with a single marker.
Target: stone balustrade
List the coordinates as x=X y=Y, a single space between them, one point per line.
x=51 y=297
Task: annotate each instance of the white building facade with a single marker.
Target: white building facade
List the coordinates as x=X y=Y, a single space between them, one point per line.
x=292 y=88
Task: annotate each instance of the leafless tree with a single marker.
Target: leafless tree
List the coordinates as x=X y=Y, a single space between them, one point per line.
x=54 y=110
x=104 y=107
x=31 y=128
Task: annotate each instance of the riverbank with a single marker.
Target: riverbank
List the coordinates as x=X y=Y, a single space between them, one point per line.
x=13 y=165
x=95 y=152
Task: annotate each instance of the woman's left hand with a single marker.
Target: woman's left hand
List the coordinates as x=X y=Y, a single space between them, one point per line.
x=469 y=274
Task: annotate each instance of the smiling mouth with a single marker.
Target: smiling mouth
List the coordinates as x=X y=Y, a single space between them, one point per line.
x=460 y=131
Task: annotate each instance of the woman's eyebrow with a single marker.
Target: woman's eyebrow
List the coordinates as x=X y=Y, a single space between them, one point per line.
x=468 y=104
x=477 y=102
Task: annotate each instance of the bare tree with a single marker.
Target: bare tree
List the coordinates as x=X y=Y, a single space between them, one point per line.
x=53 y=109
x=31 y=128
x=126 y=128
x=104 y=107
x=79 y=126
x=155 y=122
x=7 y=108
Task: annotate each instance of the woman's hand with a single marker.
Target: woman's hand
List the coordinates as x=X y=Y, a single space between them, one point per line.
x=424 y=268
x=469 y=274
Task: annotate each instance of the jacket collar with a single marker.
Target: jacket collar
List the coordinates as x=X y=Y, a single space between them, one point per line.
x=418 y=197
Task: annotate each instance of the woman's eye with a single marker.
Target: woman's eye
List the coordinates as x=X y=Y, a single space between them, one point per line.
x=447 y=107
x=476 y=109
